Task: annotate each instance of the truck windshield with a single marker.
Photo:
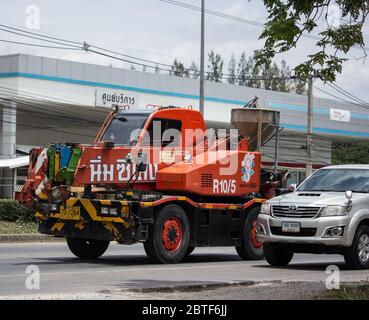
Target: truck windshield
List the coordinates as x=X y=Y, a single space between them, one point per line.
x=124 y=129
x=337 y=180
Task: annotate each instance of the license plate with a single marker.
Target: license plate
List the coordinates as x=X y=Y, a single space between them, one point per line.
x=290 y=227
x=71 y=213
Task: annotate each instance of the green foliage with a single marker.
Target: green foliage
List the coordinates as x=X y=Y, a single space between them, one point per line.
x=194 y=70
x=288 y=20
x=232 y=70
x=351 y=153
x=177 y=69
x=243 y=72
x=11 y=210
x=215 y=67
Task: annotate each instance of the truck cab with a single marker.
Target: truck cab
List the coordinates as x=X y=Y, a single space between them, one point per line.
x=327 y=213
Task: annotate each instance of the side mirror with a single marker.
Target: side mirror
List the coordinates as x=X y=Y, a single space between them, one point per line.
x=141 y=162
x=348 y=195
x=292 y=187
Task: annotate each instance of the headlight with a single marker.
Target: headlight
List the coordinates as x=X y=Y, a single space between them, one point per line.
x=335 y=211
x=265 y=208
x=104 y=210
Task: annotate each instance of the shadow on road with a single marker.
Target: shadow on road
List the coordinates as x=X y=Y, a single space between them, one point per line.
x=129 y=260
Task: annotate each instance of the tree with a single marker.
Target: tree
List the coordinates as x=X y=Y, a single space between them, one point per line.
x=300 y=86
x=288 y=20
x=194 y=70
x=177 y=69
x=350 y=153
x=255 y=73
x=215 y=67
x=285 y=72
x=269 y=74
x=232 y=70
x=242 y=71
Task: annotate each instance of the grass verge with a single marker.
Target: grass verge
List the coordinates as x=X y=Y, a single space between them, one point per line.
x=7 y=227
x=350 y=292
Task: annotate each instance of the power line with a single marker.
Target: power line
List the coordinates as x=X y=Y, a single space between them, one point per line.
x=37 y=45
x=86 y=47
x=37 y=38
x=349 y=94
x=342 y=99
x=238 y=19
x=40 y=35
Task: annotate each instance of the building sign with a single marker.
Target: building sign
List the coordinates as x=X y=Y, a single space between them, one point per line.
x=340 y=115
x=108 y=98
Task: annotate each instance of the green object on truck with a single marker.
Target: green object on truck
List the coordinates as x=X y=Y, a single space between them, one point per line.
x=66 y=174
x=51 y=158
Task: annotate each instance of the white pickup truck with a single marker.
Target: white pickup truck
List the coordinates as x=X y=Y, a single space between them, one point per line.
x=327 y=213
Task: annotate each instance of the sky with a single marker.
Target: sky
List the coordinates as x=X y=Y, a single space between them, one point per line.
x=158 y=31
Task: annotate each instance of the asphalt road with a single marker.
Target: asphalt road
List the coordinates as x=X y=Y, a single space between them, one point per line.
x=125 y=268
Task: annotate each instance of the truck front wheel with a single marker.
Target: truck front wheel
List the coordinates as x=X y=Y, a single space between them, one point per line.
x=250 y=248
x=169 y=236
x=87 y=249
x=277 y=256
x=357 y=256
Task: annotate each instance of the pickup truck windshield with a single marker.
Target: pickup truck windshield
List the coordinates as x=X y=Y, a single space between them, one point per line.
x=124 y=129
x=337 y=180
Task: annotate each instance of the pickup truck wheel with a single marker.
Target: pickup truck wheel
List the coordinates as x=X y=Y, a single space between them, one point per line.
x=169 y=236
x=250 y=248
x=357 y=256
x=277 y=256
x=87 y=249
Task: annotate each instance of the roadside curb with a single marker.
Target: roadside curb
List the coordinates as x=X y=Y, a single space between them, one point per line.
x=27 y=238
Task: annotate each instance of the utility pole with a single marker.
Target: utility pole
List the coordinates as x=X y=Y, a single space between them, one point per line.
x=309 y=138
x=202 y=57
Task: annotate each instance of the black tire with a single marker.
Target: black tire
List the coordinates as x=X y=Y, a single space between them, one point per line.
x=247 y=251
x=190 y=250
x=87 y=249
x=277 y=256
x=155 y=247
x=352 y=255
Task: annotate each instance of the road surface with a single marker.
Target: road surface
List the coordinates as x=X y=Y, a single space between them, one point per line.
x=125 y=270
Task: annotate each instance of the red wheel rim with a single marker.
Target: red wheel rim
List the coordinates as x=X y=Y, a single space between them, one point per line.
x=172 y=234
x=255 y=243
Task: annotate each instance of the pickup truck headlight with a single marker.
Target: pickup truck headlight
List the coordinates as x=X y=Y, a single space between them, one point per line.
x=335 y=211
x=265 y=208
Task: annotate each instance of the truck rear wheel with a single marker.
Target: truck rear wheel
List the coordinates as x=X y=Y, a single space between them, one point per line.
x=250 y=248
x=87 y=249
x=169 y=236
x=357 y=256
x=277 y=256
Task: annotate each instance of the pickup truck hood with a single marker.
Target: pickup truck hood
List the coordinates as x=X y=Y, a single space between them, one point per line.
x=318 y=198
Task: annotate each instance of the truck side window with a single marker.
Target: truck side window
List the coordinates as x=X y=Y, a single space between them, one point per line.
x=167 y=131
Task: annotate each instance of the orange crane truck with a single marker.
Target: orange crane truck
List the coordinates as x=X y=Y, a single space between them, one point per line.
x=158 y=177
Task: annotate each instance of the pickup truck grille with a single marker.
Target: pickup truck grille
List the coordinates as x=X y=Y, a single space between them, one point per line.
x=293 y=211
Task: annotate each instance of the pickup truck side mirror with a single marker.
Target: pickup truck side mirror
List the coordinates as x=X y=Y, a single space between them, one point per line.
x=348 y=195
